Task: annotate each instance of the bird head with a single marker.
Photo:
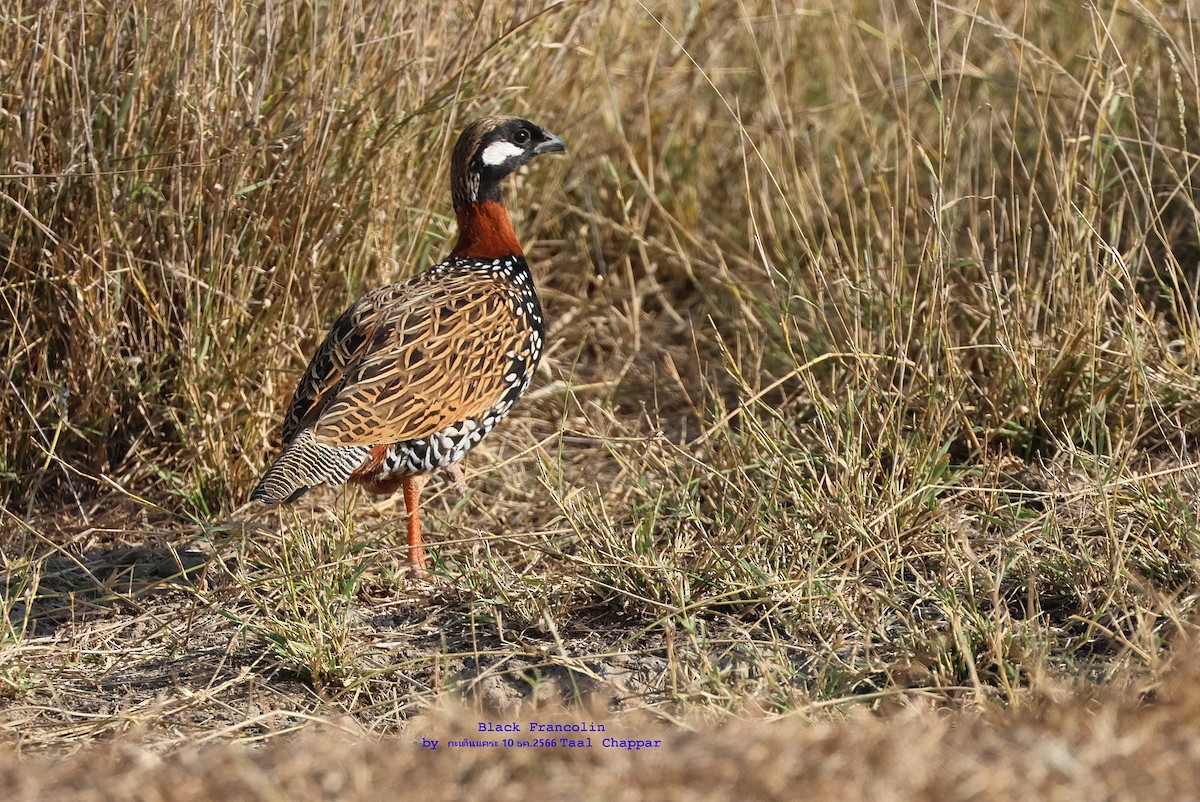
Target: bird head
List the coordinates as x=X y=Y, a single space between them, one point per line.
x=489 y=149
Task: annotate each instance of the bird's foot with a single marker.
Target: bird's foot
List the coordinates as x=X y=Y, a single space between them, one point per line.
x=421 y=575
x=454 y=477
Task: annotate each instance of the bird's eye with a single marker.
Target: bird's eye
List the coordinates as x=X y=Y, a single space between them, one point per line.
x=521 y=136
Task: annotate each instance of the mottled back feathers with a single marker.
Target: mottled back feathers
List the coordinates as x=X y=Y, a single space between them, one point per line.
x=409 y=360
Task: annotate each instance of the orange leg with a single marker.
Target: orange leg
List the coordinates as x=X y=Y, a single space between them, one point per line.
x=412 y=502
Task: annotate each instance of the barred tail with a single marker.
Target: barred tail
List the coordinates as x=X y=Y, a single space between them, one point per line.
x=304 y=464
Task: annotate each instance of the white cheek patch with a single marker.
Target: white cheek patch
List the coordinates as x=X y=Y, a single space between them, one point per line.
x=498 y=153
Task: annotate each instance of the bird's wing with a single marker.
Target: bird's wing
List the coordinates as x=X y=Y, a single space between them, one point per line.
x=434 y=356
x=345 y=345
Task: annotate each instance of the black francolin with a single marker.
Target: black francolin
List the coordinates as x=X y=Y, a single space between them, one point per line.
x=413 y=375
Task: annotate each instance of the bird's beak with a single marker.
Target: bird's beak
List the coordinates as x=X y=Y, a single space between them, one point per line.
x=552 y=144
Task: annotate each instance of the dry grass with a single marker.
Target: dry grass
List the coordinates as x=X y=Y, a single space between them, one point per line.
x=871 y=373
x=1072 y=748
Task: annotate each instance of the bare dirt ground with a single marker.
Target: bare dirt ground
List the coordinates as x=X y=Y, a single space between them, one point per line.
x=157 y=635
